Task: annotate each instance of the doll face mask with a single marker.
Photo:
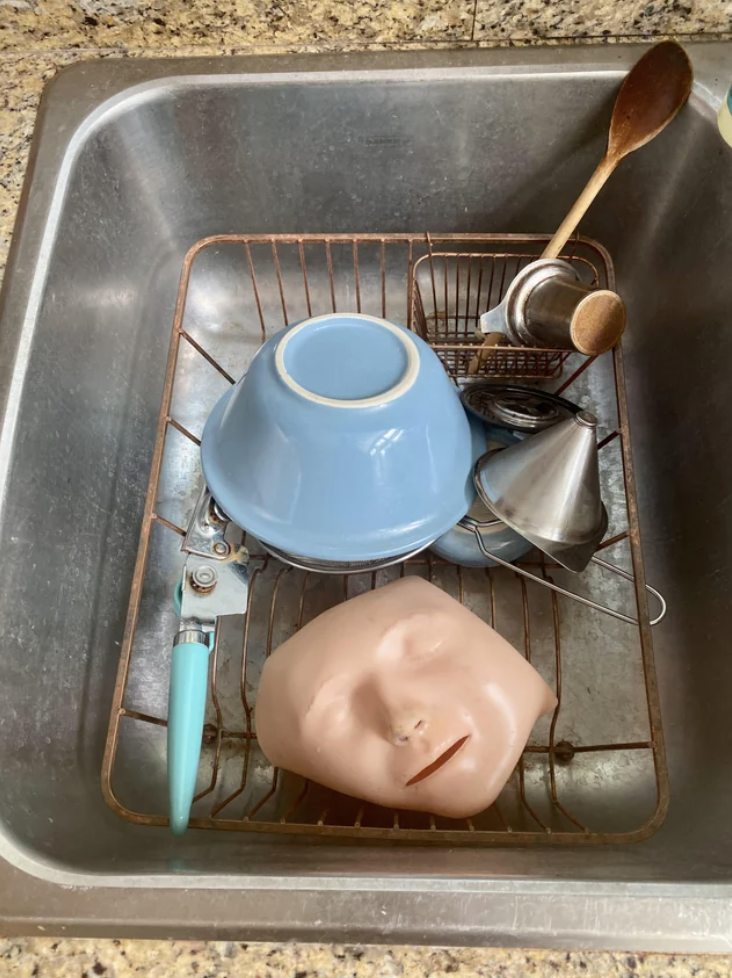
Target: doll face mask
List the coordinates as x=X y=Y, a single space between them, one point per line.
x=401 y=697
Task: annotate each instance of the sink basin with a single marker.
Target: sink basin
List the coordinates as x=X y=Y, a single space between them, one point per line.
x=135 y=161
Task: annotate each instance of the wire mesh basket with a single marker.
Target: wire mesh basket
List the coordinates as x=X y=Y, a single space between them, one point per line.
x=594 y=771
x=452 y=289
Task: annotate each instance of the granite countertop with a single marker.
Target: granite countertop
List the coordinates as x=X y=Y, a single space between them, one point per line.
x=48 y=958
x=37 y=37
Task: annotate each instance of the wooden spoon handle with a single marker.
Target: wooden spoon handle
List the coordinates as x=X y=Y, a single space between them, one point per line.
x=605 y=167
x=492 y=339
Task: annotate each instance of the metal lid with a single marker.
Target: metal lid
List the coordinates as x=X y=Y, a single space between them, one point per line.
x=516 y=408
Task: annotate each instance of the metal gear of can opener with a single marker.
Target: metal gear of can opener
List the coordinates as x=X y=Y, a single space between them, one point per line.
x=215 y=583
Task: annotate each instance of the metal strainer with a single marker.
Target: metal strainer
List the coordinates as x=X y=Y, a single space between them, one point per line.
x=547 y=488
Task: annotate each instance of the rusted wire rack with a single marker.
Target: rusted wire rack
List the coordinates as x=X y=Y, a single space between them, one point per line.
x=594 y=772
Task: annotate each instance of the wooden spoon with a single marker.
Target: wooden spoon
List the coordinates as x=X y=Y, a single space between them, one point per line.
x=652 y=93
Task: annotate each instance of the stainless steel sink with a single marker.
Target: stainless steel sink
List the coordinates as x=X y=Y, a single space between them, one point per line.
x=133 y=162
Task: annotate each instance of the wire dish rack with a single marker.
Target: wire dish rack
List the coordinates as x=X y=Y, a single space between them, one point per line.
x=595 y=770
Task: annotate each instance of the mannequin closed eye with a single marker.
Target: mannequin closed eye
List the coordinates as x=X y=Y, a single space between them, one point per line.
x=415 y=639
x=356 y=700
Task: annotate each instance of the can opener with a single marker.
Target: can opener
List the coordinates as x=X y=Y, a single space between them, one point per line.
x=215 y=583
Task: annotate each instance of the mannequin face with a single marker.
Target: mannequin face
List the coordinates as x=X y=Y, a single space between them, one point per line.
x=402 y=697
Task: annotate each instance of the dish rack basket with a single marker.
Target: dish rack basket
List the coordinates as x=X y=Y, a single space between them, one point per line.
x=595 y=770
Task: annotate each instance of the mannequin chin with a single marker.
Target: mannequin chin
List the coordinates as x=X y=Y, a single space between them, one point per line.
x=401 y=697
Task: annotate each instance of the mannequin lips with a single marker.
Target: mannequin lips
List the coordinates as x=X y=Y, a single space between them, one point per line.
x=441 y=761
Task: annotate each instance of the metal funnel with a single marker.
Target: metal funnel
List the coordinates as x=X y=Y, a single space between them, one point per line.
x=547 y=488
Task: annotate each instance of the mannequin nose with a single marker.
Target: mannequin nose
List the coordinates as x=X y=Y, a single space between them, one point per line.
x=406 y=727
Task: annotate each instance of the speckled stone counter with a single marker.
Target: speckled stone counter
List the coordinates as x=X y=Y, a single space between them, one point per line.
x=37 y=37
x=47 y=958
x=95 y=24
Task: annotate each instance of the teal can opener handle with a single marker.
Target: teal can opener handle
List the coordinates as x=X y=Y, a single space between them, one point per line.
x=186 y=713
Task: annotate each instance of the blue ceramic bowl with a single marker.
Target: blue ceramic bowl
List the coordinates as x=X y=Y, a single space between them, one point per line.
x=345 y=440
